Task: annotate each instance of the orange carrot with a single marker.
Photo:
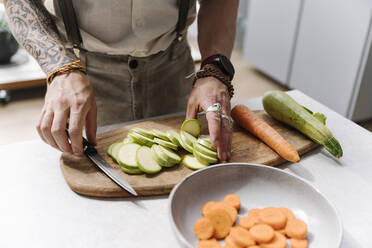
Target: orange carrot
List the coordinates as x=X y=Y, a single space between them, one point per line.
x=233 y=200
x=262 y=233
x=207 y=207
x=272 y=217
x=210 y=243
x=279 y=241
x=296 y=229
x=230 y=209
x=231 y=243
x=247 y=222
x=203 y=228
x=241 y=236
x=298 y=243
x=222 y=222
x=258 y=127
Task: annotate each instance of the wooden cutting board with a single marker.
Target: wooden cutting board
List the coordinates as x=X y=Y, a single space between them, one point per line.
x=85 y=178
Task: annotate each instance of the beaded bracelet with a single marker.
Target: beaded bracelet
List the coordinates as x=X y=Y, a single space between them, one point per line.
x=210 y=70
x=66 y=68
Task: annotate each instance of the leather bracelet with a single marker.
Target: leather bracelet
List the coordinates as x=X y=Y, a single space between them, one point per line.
x=210 y=70
x=66 y=68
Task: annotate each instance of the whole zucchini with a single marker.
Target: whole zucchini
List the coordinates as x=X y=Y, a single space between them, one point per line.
x=284 y=108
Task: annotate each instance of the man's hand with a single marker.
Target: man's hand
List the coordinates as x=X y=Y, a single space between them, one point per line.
x=70 y=96
x=206 y=92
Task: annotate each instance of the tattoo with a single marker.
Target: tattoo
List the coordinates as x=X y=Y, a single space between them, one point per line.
x=34 y=28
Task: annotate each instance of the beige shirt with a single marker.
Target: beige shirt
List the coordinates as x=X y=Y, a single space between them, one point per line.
x=125 y=27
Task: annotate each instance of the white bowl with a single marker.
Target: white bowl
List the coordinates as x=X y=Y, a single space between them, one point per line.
x=258 y=186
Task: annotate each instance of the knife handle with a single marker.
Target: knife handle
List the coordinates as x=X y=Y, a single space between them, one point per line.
x=87 y=147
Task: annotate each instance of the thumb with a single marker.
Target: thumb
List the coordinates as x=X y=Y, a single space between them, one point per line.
x=91 y=125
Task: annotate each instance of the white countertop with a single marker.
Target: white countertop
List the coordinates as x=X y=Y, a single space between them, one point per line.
x=39 y=210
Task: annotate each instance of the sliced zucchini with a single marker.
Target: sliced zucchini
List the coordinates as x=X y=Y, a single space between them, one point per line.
x=204 y=150
x=192 y=126
x=174 y=137
x=128 y=140
x=191 y=162
x=160 y=134
x=146 y=162
x=204 y=158
x=115 y=150
x=140 y=139
x=165 y=143
x=132 y=171
x=127 y=155
x=187 y=138
x=159 y=156
x=143 y=132
x=172 y=157
x=205 y=141
x=109 y=149
x=185 y=146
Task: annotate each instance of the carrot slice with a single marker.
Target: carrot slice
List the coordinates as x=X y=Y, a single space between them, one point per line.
x=230 y=243
x=273 y=217
x=207 y=207
x=262 y=233
x=221 y=221
x=298 y=243
x=296 y=229
x=254 y=246
x=288 y=213
x=233 y=200
x=279 y=241
x=203 y=228
x=241 y=236
x=254 y=213
x=247 y=222
x=282 y=231
x=210 y=243
x=258 y=127
x=230 y=209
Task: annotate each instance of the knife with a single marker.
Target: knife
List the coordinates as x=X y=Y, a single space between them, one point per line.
x=101 y=163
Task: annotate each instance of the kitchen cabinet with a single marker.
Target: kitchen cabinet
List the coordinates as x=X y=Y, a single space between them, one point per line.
x=270 y=35
x=328 y=56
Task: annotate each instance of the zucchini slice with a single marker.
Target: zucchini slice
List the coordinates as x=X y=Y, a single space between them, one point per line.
x=204 y=150
x=165 y=143
x=160 y=134
x=174 y=137
x=140 y=139
x=191 y=162
x=143 y=132
x=127 y=155
x=204 y=158
x=192 y=126
x=146 y=162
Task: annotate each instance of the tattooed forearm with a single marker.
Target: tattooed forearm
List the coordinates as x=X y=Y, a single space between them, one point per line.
x=34 y=28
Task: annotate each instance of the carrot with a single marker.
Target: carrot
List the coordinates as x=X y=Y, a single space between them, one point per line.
x=254 y=246
x=254 y=213
x=282 y=231
x=203 y=228
x=221 y=221
x=279 y=241
x=230 y=209
x=273 y=217
x=233 y=200
x=288 y=213
x=258 y=127
x=298 y=243
x=296 y=229
x=231 y=243
x=210 y=243
x=207 y=207
x=247 y=222
x=241 y=236
x=262 y=233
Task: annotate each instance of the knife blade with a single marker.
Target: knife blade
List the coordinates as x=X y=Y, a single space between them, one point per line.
x=101 y=163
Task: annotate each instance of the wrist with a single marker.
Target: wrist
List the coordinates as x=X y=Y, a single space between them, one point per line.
x=70 y=67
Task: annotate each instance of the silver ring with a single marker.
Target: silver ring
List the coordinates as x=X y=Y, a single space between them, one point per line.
x=216 y=108
x=226 y=117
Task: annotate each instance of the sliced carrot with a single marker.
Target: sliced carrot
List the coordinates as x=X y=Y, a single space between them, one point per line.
x=221 y=221
x=273 y=217
x=207 y=207
x=230 y=209
x=231 y=243
x=296 y=229
x=282 y=231
x=279 y=241
x=254 y=213
x=247 y=222
x=254 y=246
x=298 y=243
x=262 y=233
x=204 y=228
x=241 y=236
x=258 y=127
x=233 y=200
x=288 y=213
x=210 y=243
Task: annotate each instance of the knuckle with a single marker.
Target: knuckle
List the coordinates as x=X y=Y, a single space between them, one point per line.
x=45 y=127
x=56 y=131
x=74 y=131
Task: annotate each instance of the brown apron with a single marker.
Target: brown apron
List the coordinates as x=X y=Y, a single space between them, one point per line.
x=130 y=88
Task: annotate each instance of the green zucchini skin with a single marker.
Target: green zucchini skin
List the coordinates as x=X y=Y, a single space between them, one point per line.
x=284 y=108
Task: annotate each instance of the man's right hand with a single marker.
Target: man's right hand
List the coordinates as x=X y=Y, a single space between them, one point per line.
x=69 y=97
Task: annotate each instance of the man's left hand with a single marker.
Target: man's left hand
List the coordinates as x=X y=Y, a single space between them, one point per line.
x=205 y=93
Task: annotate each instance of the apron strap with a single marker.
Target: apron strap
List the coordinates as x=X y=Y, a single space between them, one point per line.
x=71 y=25
x=183 y=12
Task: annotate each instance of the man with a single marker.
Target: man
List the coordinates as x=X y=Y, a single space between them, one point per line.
x=133 y=63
